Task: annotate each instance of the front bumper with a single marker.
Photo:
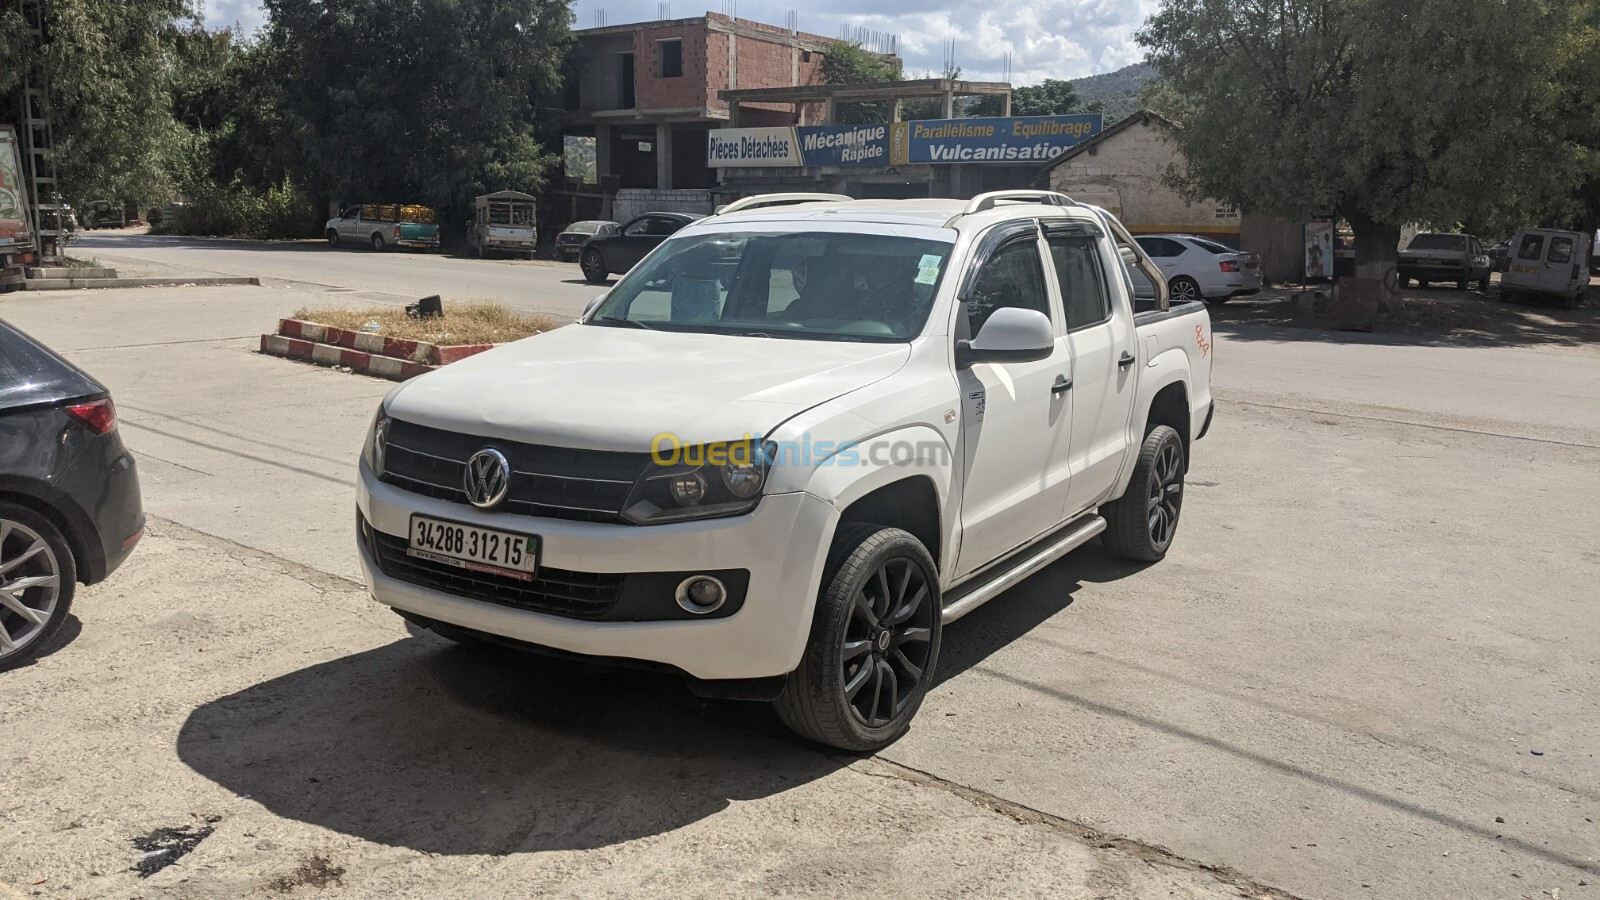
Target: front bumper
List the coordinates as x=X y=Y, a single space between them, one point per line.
x=783 y=544
x=1431 y=272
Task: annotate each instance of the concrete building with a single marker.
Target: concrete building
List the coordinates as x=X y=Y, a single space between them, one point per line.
x=1124 y=169
x=647 y=93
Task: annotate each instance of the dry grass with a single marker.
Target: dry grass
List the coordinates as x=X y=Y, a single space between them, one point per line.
x=464 y=322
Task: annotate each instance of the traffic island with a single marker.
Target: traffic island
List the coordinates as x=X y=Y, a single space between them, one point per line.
x=72 y=278
x=388 y=343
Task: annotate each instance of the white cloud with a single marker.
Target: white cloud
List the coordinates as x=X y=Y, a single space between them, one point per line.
x=1046 y=38
x=247 y=14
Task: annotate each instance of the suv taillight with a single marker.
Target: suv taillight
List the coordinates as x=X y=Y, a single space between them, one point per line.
x=99 y=416
x=397 y=232
x=1229 y=265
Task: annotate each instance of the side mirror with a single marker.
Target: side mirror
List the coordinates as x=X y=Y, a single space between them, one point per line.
x=1010 y=335
x=593 y=304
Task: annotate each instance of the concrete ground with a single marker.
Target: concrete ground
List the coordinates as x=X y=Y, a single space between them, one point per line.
x=1380 y=606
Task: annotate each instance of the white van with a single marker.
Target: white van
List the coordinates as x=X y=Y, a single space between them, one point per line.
x=1549 y=263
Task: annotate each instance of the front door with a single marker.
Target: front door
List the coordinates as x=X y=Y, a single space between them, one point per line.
x=1016 y=416
x=350 y=223
x=1101 y=339
x=626 y=249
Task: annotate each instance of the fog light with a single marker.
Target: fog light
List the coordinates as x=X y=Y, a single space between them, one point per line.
x=689 y=489
x=701 y=594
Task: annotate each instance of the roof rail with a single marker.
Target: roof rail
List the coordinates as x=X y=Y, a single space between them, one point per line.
x=994 y=198
x=760 y=201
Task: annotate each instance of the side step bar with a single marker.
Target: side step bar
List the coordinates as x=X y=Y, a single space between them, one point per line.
x=971 y=596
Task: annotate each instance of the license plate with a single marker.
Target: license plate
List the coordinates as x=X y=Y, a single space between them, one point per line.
x=476 y=549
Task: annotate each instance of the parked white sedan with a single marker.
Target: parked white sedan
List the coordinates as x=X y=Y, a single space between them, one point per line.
x=1201 y=269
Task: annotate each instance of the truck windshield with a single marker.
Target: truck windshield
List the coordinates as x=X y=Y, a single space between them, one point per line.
x=1438 y=242
x=808 y=285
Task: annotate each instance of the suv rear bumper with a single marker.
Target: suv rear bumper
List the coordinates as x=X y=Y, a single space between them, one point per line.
x=783 y=544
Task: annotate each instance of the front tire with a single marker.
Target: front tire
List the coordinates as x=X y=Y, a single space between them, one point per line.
x=36 y=588
x=874 y=642
x=333 y=238
x=1141 y=524
x=593 y=266
x=1184 y=289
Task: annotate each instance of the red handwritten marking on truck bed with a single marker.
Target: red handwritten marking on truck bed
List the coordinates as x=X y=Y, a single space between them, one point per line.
x=1200 y=340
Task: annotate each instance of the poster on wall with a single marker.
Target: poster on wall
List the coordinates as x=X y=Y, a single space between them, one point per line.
x=14 y=228
x=1319 y=250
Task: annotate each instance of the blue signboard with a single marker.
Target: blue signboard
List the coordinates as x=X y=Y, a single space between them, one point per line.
x=844 y=145
x=1020 y=139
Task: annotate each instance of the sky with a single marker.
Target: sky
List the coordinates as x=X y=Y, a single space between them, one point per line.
x=1046 y=38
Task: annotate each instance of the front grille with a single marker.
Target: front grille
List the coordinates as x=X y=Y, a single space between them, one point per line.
x=550 y=482
x=557 y=592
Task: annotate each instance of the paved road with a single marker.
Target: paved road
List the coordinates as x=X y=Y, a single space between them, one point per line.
x=314 y=267
x=1380 y=606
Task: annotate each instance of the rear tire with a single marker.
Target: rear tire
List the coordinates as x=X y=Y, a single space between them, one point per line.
x=1141 y=524
x=31 y=615
x=1483 y=284
x=877 y=626
x=1184 y=289
x=1461 y=284
x=1422 y=282
x=377 y=241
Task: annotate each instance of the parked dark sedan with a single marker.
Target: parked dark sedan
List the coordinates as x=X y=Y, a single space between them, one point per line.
x=569 y=243
x=70 y=510
x=605 y=254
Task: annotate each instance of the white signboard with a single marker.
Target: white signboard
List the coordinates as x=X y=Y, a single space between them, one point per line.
x=749 y=147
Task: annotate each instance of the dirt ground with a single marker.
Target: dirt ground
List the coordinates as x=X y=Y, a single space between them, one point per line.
x=1442 y=316
x=243 y=726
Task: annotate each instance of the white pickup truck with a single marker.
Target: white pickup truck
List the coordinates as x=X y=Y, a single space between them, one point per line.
x=792 y=444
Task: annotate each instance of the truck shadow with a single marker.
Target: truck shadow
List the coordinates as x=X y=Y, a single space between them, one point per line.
x=1013 y=615
x=424 y=745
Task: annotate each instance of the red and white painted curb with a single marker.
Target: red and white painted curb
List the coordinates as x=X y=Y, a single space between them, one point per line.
x=399 y=348
x=332 y=355
x=359 y=351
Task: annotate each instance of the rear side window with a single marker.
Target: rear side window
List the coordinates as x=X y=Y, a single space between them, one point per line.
x=1013 y=276
x=1083 y=283
x=1561 y=250
x=1160 y=248
x=1213 y=246
x=1532 y=247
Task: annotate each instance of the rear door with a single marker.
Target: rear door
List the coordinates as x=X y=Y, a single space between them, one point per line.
x=1100 y=339
x=1560 y=256
x=1016 y=417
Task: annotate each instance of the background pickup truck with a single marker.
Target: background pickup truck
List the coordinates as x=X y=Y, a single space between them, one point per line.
x=792 y=444
x=385 y=225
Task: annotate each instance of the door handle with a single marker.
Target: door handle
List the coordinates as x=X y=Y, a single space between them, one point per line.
x=1062 y=385
x=1126 y=360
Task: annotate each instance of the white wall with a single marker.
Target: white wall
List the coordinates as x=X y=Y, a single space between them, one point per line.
x=632 y=202
x=1126 y=172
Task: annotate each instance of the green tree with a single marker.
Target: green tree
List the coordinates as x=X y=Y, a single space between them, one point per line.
x=108 y=66
x=1050 y=97
x=1381 y=111
x=850 y=63
x=430 y=101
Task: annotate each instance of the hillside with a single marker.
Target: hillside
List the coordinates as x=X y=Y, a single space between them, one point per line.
x=1117 y=91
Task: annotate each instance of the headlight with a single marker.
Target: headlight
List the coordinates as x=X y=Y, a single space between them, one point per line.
x=701 y=482
x=377 y=444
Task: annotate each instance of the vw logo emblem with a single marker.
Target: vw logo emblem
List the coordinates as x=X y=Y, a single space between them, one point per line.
x=487 y=477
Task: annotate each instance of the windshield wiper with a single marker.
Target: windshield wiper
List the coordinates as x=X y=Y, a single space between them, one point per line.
x=620 y=322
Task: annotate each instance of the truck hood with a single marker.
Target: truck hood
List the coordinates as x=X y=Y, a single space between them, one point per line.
x=600 y=388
